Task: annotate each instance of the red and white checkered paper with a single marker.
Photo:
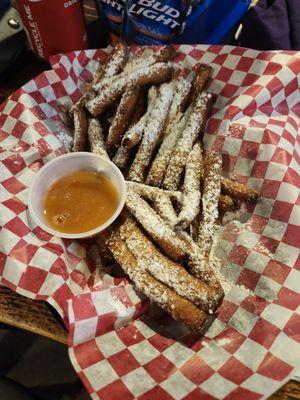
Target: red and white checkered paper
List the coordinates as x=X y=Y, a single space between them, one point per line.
x=253 y=345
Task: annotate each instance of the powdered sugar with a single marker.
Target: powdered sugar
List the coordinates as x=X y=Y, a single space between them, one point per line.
x=138 y=77
x=155 y=226
x=159 y=165
x=183 y=88
x=135 y=133
x=152 y=132
x=113 y=67
x=143 y=60
x=223 y=341
x=165 y=208
x=185 y=143
x=65 y=139
x=191 y=187
x=165 y=270
x=96 y=138
x=216 y=264
x=151 y=192
x=210 y=198
x=119 y=307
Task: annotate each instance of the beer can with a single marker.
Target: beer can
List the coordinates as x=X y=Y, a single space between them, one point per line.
x=111 y=15
x=152 y=22
x=148 y=22
x=53 y=26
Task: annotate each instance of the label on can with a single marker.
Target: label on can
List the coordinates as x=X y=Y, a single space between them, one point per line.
x=53 y=26
x=150 y=22
x=112 y=15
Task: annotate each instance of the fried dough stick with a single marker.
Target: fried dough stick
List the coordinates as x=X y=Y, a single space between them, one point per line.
x=166 y=271
x=179 y=308
x=200 y=81
x=184 y=145
x=134 y=134
x=80 y=129
x=174 y=128
x=138 y=62
x=122 y=118
x=164 y=207
x=152 y=75
x=96 y=139
x=162 y=199
x=238 y=190
x=151 y=192
x=148 y=57
x=177 y=246
x=160 y=163
x=157 y=228
x=210 y=200
x=191 y=188
x=112 y=66
x=180 y=99
x=227 y=203
x=152 y=132
x=199 y=264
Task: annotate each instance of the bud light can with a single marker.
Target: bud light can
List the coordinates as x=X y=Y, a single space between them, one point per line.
x=111 y=12
x=148 y=22
x=53 y=26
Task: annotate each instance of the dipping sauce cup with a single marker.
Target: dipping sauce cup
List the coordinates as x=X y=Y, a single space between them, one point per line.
x=65 y=165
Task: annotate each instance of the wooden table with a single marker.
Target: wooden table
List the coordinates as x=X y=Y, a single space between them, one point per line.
x=15 y=309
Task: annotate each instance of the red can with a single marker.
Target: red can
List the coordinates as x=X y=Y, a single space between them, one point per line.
x=53 y=26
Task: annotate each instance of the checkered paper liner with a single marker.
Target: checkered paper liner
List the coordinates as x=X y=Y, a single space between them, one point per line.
x=252 y=347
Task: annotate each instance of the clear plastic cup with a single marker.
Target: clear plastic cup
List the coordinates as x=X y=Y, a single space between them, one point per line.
x=65 y=165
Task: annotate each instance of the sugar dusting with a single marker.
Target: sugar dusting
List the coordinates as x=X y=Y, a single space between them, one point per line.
x=135 y=133
x=239 y=220
x=119 y=307
x=152 y=132
x=210 y=198
x=231 y=216
x=96 y=138
x=115 y=63
x=143 y=60
x=65 y=139
x=165 y=208
x=146 y=57
x=216 y=263
x=191 y=187
x=172 y=274
x=151 y=192
x=183 y=88
x=223 y=341
x=139 y=76
x=172 y=133
x=187 y=140
x=155 y=225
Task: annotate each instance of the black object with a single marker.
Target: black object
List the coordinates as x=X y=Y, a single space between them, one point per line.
x=97 y=36
x=12 y=38
x=272 y=25
x=13 y=345
x=11 y=390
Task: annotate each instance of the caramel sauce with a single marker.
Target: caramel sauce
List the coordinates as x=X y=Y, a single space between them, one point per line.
x=80 y=202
